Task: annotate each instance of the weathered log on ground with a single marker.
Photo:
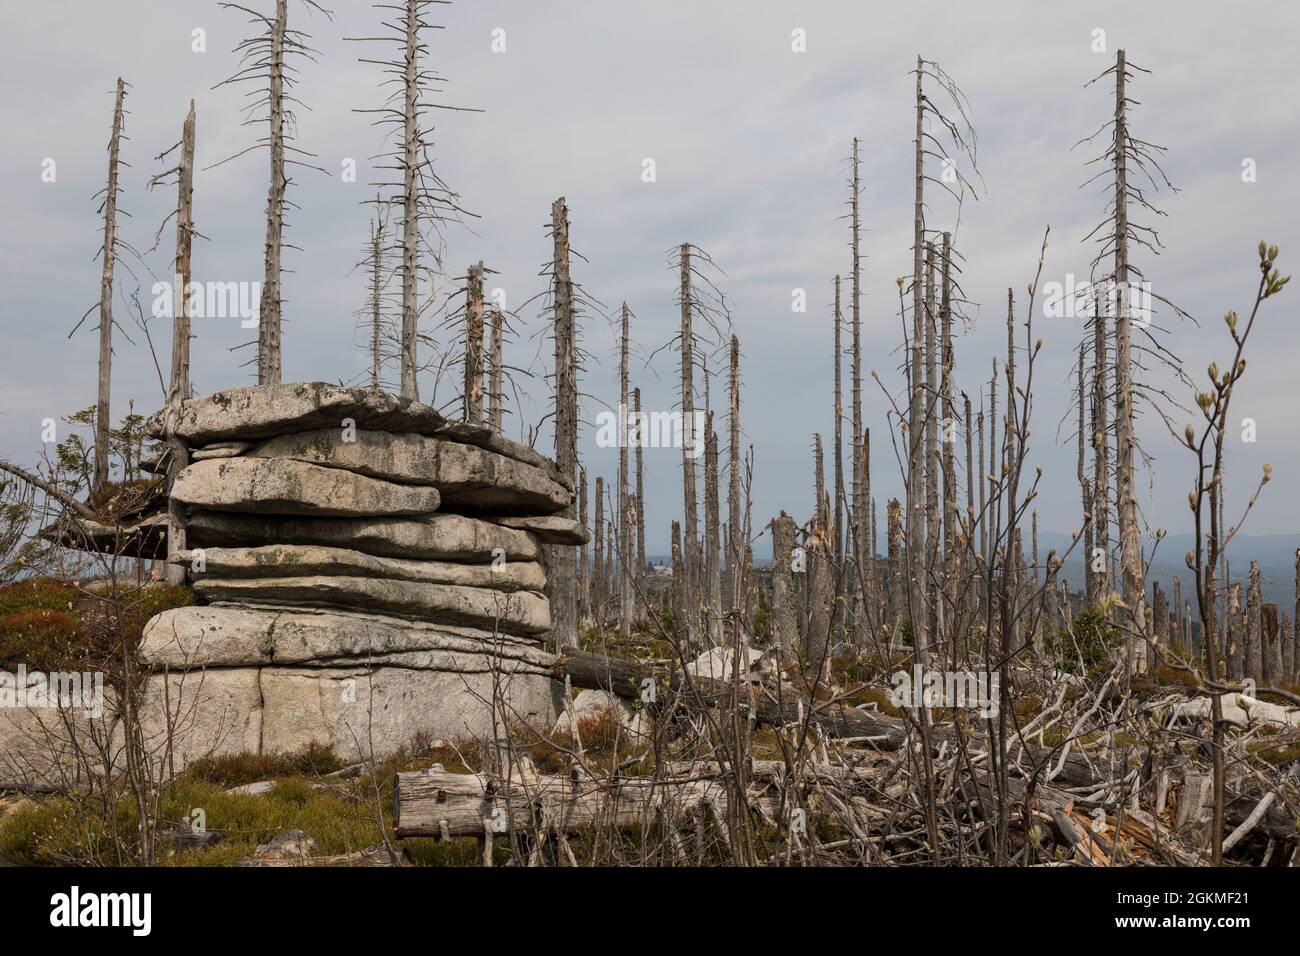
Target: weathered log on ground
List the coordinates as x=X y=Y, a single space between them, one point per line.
x=375 y=856
x=626 y=679
x=434 y=802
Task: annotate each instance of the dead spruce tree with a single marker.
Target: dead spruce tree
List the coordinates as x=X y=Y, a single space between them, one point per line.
x=920 y=411
x=425 y=203
x=735 y=531
x=109 y=251
x=703 y=312
x=179 y=388
x=374 y=325
x=638 y=444
x=473 y=360
x=625 y=558
x=1125 y=159
x=837 y=406
x=859 y=509
x=495 y=363
x=264 y=61
x=712 y=536
x=564 y=331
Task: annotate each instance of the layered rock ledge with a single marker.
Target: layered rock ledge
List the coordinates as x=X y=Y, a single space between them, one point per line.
x=365 y=568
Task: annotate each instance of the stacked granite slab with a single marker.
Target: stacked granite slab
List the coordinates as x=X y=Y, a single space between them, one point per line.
x=366 y=570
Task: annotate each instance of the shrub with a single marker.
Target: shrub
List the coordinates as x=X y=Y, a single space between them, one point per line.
x=1091 y=639
x=41 y=639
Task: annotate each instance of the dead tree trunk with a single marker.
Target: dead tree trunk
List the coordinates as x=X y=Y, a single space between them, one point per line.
x=1085 y=491
x=858 y=516
x=268 y=328
x=495 y=395
x=690 y=529
x=983 y=483
x=735 y=530
x=1288 y=650
x=820 y=595
x=564 y=583
x=1254 y=628
x=180 y=377
x=784 y=599
x=897 y=569
x=640 y=491
x=681 y=629
x=584 y=555
x=1160 y=616
x=378 y=240
x=411 y=209
x=915 y=438
x=870 y=580
x=624 y=522
x=712 y=535
x=599 y=591
x=837 y=404
x=103 y=413
x=948 y=434
x=1178 y=634
x=932 y=459
x=1099 y=557
x=1272 y=652
x=1126 y=498
x=1235 y=650
x=474 y=345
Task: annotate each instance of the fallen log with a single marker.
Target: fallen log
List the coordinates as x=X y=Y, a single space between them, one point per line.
x=434 y=802
x=375 y=856
x=627 y=679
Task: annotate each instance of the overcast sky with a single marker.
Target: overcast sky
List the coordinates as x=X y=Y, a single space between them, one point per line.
x=749 y=140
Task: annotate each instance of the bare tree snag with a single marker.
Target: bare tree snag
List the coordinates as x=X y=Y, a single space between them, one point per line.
x=681 y=628
x=180 y=369
x=564 y=582
x=690 y=528
x=783 y=589
x=932 y=458
x=473 y=398
x=712 y=536
x=735 y=530
x=103 y=413
x=1085 y=489
x=1126 y=498
x=1235 y=651
x=599 y=590
x=495 y=394
x=1254 y=652
x=855 y=375
x=268 y=326
x=625 y=560
x=915 y=423
x=640 y=491
x=982 y=484
x=948 y=425
x=411 y=205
